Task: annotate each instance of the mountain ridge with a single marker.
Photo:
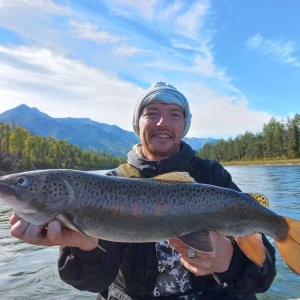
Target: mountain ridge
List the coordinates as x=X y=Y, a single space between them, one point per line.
x=82 y=132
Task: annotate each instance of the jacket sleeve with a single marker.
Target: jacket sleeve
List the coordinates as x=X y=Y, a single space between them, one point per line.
x=243 y=276
x=92 y=270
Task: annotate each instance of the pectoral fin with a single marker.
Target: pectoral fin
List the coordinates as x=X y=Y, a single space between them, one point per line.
x=70 y=219
x=199 y=241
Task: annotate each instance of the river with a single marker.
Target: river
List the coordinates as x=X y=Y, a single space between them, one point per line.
x=30 y=272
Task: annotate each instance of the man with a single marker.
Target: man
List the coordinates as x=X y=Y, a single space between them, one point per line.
x=165 y=269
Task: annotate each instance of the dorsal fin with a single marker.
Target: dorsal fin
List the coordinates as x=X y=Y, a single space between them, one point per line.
x=130 y=171
x=260 y=198
x=183 y=177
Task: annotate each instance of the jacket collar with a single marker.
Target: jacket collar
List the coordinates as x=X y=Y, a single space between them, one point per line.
x=178 y=162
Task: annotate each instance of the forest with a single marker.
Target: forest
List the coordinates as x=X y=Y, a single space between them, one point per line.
x=278 y=140
x=21 y=151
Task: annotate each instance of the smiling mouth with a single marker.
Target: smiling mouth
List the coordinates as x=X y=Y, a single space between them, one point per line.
x=163 y=136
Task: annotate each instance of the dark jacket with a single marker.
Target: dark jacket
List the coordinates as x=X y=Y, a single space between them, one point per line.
x=133 y=267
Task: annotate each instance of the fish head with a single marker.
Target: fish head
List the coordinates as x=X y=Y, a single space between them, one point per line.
x=36 y=196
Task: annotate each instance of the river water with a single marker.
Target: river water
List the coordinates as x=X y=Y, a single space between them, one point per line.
x=30 y=272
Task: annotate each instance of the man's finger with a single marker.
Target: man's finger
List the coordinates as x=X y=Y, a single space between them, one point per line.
x=176 y=243
x=27 y=232
x=55 y=231
x=14 y=218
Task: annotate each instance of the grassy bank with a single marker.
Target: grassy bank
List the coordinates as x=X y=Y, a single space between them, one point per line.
x=262 y=162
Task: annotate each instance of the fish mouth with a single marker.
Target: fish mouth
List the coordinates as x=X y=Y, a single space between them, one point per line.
x=5 y=190
x=9 y=196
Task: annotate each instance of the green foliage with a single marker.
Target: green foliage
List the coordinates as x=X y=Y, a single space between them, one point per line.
x=21 y=151
x=278 y=140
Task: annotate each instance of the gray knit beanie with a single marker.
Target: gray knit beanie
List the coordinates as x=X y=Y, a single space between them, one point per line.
x=165 y=93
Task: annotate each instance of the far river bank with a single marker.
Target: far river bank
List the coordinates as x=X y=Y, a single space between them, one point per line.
x=225 y=163
x=262 y=162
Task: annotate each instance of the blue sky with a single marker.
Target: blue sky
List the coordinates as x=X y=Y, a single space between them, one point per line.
x=237 y=62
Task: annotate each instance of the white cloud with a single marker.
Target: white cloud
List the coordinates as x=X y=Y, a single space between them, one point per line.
x=191 y=21
x=37 y=22
x=45 y=5
x=179 y=17
x=74 y=68
x=125 y=50
x=218 y=116
x=129 y=8
x=285 y=51
x=62 y=87
x=38 y=26
x=91 y=32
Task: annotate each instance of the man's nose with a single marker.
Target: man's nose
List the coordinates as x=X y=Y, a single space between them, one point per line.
x=163 y=121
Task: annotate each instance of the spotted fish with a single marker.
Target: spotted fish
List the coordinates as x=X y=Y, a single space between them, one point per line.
x=168 y=206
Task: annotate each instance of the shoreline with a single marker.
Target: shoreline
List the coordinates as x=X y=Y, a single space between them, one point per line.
x=280 y=162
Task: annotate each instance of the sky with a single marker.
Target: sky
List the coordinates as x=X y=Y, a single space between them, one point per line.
x=237 y=62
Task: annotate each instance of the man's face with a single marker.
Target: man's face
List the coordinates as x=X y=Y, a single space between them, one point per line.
x=161 y=127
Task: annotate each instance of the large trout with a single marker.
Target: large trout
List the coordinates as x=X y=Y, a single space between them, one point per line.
x=148 y=210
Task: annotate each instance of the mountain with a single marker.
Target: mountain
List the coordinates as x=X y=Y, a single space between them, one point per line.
x=198 y=143
x=82 y=132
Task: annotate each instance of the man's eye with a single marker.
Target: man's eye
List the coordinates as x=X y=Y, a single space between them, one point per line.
x=176 y=116
x=151 y=114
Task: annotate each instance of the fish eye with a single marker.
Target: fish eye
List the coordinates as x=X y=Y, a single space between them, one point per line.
x=22 y=180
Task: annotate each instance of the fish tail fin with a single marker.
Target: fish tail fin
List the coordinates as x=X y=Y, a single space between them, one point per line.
x=253 y=247
x=290 y=246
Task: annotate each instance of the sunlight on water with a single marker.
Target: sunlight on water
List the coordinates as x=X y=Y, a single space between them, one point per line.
x=31 y=271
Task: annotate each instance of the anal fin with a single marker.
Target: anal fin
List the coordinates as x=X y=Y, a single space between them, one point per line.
x=253 y=247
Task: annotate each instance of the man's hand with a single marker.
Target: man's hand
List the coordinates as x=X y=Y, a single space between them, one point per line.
x=206 y=263
x=53 y=234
